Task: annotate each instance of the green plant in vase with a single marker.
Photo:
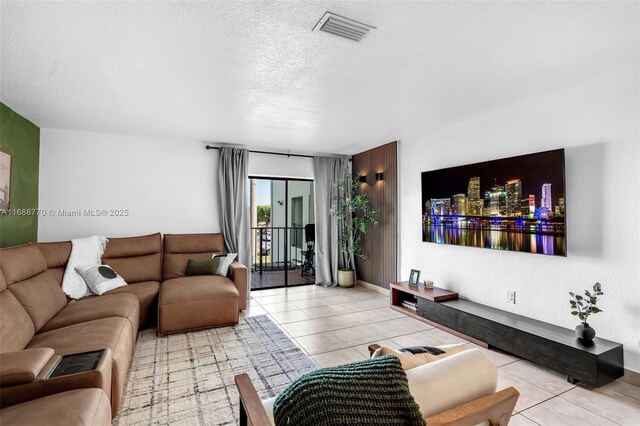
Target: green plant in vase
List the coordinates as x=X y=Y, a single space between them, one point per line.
x=583 y=307
x=352 y=210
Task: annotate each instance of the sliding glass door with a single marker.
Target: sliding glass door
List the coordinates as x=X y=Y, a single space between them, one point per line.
x=282 y=232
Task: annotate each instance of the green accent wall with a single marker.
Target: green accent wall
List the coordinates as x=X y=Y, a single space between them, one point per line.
x=20 y=138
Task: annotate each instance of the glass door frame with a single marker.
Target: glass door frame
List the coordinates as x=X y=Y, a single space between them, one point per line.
x=286 y=227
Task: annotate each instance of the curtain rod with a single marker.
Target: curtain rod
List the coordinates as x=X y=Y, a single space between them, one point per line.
x=271 y=153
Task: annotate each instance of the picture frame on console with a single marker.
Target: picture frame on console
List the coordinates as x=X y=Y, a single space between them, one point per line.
x=414 y=277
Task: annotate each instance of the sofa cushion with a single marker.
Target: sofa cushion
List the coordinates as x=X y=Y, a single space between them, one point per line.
x=114 y=333
x=92 y=308
x=134 y=246
x=465 y=376
x=41 y=296
x=147 y=294
x=16 y=327
x=187 y=289
x=136 y=259
x=191 y=303
x=193 y=243
x=179 y=248
x=138 y=268
x=21 y=262
x=80 y=407
x=56 y=253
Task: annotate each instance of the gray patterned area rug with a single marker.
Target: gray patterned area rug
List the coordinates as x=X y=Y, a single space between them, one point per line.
x=187 y=378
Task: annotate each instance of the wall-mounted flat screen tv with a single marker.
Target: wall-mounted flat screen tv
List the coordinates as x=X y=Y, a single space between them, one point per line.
x=515 y=204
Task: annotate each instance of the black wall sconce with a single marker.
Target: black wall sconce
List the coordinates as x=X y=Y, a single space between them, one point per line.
x=379 y=176
x=363 y=178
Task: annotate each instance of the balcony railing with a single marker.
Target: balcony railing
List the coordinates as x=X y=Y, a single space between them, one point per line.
x=275 y=247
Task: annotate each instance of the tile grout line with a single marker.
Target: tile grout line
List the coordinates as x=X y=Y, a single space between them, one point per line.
x=565 y=400
x=585 y=408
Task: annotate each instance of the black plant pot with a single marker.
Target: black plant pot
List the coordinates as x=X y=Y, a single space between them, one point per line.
x=585 y=332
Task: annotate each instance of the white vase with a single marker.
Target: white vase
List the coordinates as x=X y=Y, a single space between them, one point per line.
x=346 y=278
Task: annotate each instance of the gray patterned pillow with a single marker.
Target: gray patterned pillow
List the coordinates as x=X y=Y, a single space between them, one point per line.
x=100 y=278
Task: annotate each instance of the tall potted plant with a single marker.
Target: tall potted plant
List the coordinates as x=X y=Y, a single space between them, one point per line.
x=353 y=212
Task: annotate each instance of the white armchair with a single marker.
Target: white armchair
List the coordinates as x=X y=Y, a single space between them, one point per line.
x=459 y=390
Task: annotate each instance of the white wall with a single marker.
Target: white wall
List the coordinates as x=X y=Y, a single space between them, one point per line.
x=597 y=122
x=168 y=186
x=267 y=165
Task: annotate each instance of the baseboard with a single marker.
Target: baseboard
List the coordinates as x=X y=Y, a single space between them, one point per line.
x=373 y=287
x=631 y=377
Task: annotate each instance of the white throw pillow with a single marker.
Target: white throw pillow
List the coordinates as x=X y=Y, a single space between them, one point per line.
x=225 y=262
x=101 y=278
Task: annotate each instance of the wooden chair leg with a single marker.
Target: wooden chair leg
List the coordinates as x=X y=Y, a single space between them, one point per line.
x=243 y=415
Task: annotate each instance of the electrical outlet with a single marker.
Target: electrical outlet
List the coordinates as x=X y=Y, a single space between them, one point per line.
x=511 y=297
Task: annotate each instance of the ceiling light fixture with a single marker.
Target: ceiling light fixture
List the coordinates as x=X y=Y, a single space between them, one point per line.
x=343 y=27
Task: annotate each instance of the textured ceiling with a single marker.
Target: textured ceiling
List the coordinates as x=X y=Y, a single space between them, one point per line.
x=254 y=73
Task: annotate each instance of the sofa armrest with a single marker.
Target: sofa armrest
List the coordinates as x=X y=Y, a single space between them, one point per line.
x=41 y=386
x=20 y=367
x=238 y=274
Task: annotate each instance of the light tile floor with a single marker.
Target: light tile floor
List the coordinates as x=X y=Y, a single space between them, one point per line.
x=335 y=326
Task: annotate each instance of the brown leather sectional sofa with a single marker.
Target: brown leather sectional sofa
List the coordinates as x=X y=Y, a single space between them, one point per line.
x=38 y=323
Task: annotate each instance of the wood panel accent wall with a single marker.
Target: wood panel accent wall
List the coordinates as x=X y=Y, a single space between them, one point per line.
x=380 y=244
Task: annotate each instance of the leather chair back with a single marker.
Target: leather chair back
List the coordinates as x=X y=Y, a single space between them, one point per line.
x=179 y=248
x=57 y=255
x=24 y=269
x=136 y=259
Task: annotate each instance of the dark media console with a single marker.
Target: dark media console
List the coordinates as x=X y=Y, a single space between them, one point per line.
x=555 y=347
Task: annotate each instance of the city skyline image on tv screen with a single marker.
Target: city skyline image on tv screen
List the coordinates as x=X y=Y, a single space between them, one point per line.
x=515 y=204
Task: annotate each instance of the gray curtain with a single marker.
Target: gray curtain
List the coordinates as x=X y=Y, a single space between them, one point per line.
x=233 y=177
x=326 y=171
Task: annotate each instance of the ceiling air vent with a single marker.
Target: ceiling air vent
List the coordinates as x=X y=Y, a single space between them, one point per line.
x=343 y=27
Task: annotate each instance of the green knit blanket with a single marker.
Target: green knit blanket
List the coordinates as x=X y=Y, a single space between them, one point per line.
x=371 y=392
